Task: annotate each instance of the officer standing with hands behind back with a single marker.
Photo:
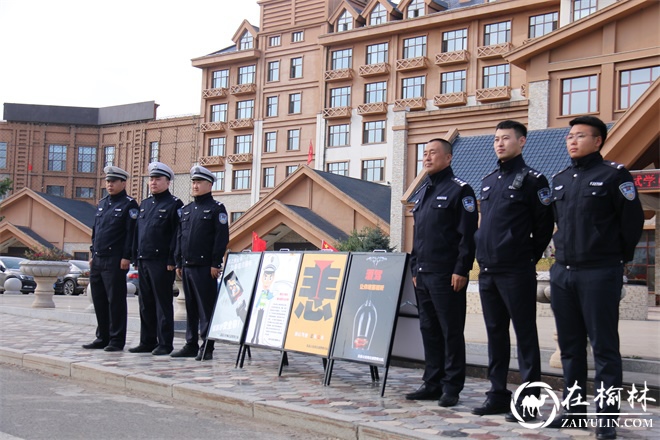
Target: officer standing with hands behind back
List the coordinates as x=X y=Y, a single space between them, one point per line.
x=201 y=245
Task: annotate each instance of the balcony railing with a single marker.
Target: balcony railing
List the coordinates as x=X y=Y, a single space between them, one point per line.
x=373 y=108
x=243 y=89
x=338 y=75
x=494 y=94
x=374 y=69
x=523 y=89
x=446 y=58
x=450 y=99
x=337 y=112
x=211 y=160
x=240 y=124
x=240 y=158
x=492 y=51
x=408 y=64
x=213 y=126
x=220 y=92
x=410 y=104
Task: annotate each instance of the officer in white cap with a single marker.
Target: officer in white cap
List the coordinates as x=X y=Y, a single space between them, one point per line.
x=153 y=253
x=112 y=243
x=201 y=245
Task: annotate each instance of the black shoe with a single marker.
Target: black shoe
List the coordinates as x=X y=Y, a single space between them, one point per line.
x=448 y=400
x=207 y=355
x=161 y=351
x=142 y=349
x=96 y=345
x=605 y=432
x=523 y=415
x=568 y=421
x=113 y=348
x=491 y=407
x=188 y=351
x=425 y=392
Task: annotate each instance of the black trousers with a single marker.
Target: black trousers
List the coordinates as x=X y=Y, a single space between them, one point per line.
x=586 y=304
x=201 y=295
x=156 y=303
x=510 y=297
x=108 y=284
x=442 y=322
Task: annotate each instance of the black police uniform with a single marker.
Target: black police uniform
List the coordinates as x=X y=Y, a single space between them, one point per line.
x=112 y=240
x=599 y=222
x=155 y=243
x=446 y=218
x=516 y=227
x=202 y=241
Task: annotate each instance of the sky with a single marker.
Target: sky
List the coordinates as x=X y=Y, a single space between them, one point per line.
x=93 y=53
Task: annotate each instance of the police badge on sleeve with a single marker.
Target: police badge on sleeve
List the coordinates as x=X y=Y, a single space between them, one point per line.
x=469 y=204
x=628 y=190
x=544 y=196
x=222 y=218
x=133 y=213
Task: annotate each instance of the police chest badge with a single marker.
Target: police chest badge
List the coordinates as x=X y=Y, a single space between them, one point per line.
x=133 y=213
x=628 y=190
x=544 y=196
x=469 y=204
x=222 y=218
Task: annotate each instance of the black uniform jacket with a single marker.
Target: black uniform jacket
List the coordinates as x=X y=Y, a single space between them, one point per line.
x=157 y=227
x=203 y=233
x=598 y=213
x=446 y=217
x=114 y=225
x=516 y=218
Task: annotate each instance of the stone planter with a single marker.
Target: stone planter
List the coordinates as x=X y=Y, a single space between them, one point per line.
x=180 y=313
x=45 y=274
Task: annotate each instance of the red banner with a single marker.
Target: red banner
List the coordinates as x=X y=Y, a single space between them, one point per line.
x=325 y=245
x=646 y=180
x=258 y=245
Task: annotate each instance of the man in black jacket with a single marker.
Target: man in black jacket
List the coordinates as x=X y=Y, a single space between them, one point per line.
x=446 y=217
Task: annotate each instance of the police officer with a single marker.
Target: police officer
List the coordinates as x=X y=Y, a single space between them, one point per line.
x=153 y=248
x=516 y=227
x=445 y=214
x=201 y=244
x=599 y=222
x=112 y=239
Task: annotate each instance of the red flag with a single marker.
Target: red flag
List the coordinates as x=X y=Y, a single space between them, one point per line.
x=29 y=167
x=325 y=245
x=258 y=245
x=310 y=153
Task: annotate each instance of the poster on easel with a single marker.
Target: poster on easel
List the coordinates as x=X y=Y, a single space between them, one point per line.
x=315 y=303
x=235 y=287
x=272 y=299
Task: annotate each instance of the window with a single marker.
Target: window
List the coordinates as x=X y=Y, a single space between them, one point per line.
x=452 y=82
x=345 y=22
x=340 y=97
x=414 y=47
x=579 y=95
x=109 y=154
x=219 y=113
x=295 y=103
x=245 y=109
x=86 y=159
x=582 y=8
x=454 y=40
x=378 y=15
x=246 y=74
x=377 y=53
x=642 y=267
x=246 y=42
x=274 y=71
x=220 y=79
x=375 y=92
x=243 y=144
x=81 y=256
x=342 y=59
x=338 y=135
x=268 y=178
x=496 y=76
x=497 y=33
x=297 y=37
x=296 y=68
x=242 y=179
x=540 y=25
x=104 y=192
x=154 y=151
x=55 y=190
x=84 y=193
x=340 y=168
x=57 y=158
x=416 y=9
x=271 y=106
x=270 y=143
x=373 y=170
x=3 y=154
x=420 y=158
x=275 y=40
x=290 y=169
x=219 y=184
x=634 y=83
x=293 y=139
x=374 y=132
x=413 y=87
x=217 y=146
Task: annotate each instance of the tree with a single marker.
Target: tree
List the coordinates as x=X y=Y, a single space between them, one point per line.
x=367 y=240
x=5 y=187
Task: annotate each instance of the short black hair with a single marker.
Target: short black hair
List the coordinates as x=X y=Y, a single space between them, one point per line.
x=448 y=147
x=519 y=128
x=593 y=122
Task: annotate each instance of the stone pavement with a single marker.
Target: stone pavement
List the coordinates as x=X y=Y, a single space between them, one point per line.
x=350 y=408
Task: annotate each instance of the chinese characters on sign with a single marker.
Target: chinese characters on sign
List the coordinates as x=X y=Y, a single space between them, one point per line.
x=646 y=180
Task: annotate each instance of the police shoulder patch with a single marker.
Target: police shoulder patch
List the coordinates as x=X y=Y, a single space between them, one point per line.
x=628 y=190
x=133 y=213
x=544 y=196
x=458 y=181
x=469 y=204
x=222 y=217
x=179 y=212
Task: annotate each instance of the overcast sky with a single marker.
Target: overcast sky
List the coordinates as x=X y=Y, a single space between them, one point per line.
x=94 y=53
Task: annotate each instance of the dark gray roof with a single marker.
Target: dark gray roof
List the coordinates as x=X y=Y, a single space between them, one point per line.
x=333 y=232
x=455 y=4
x=42 y=241
x=227 y=49
x=373 y=196
x=81 y=211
